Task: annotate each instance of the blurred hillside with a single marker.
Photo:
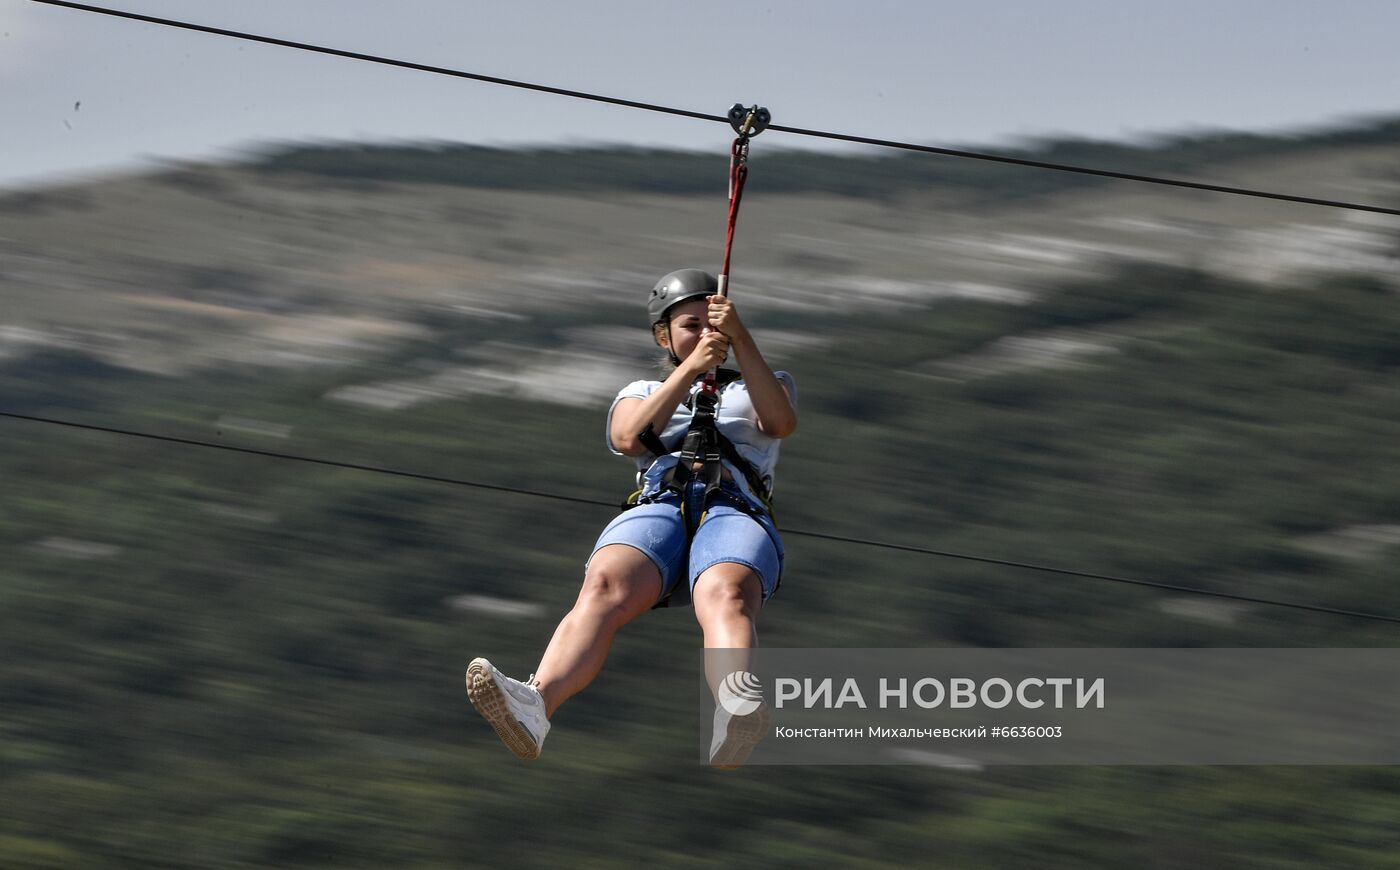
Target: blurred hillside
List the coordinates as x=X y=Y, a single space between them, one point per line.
x=220 y=660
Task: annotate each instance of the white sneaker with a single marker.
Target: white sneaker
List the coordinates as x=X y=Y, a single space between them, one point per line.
x=736 y=736
x=514 y=709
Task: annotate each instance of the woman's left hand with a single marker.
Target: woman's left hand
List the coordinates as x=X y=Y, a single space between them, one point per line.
x=776 y=417
x=724 y=317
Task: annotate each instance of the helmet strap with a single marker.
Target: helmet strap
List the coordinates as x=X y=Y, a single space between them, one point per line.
x=670 y=346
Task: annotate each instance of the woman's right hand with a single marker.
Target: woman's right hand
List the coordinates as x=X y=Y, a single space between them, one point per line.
x=710 y=351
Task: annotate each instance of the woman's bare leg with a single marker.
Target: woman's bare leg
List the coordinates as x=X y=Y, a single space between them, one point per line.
x=621 y=583
x=727 y=597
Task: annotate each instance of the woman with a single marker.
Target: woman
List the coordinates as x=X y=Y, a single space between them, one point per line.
x=646 y=557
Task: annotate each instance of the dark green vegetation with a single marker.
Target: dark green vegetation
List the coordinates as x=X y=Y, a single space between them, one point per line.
x=261 y=669
x=878 y=175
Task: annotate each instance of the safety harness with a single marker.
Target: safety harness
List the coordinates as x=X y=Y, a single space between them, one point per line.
x=696 y=478
x=699 y=488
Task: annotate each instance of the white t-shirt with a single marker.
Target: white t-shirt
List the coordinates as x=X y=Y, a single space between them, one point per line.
x=736 y=420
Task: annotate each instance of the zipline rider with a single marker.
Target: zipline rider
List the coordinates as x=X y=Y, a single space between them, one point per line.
x=727 y=561
x=700 y=526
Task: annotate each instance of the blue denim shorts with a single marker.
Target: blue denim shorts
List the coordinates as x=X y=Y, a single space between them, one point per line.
x=727 y=534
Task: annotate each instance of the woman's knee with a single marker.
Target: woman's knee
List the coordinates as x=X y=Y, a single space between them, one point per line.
x=620 y=584
x=727 y=589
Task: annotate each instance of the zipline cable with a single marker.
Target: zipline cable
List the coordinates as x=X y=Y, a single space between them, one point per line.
x=387 y=61
x=704 y=116
x=906 y=548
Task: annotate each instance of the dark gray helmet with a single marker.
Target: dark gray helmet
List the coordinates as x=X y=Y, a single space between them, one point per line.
x=676 y=288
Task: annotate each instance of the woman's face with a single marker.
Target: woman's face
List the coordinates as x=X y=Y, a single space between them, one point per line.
x=688 y=320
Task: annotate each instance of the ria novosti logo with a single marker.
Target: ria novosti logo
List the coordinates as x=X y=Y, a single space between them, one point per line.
x=741 y=693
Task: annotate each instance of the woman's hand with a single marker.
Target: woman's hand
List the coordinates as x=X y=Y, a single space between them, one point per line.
x=776 y=416
x=725 y=318
x=711 y=350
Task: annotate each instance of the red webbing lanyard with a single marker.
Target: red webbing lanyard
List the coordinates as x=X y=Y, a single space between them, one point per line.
x=738 y=174
x=754 y=120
